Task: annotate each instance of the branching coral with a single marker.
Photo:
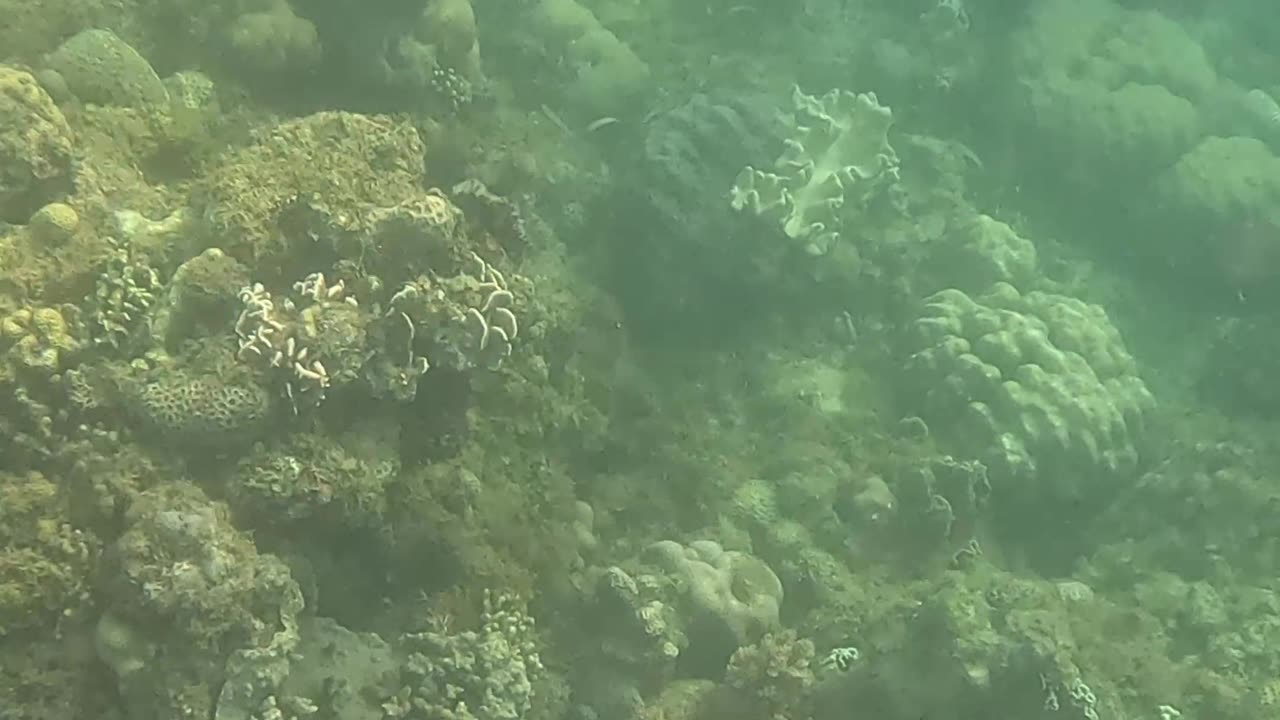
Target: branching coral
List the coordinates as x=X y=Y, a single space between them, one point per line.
x=481 y=674
x=290 y=341
x=125 y=291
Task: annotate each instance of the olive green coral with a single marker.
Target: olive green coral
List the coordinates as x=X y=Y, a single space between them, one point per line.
x=338 y=482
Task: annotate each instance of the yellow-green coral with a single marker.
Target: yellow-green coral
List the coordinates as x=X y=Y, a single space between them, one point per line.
x=35 y=146
x=54 y=223
x=37 y=339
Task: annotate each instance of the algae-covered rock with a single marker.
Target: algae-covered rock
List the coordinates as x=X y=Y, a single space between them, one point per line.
x=604 y=75
x=35 y=147
x=1217 y=210
x=275 y=42
x=200 y=299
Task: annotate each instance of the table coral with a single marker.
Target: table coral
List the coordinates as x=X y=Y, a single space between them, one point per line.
x=35 y=147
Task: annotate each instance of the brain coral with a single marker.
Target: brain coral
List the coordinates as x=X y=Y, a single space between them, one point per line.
x=1039 y=386
x=35 y=147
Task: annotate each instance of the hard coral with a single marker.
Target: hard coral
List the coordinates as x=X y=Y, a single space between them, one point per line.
x=35 y=147
x=38 y=339
x=346 y=160
x=54 y=223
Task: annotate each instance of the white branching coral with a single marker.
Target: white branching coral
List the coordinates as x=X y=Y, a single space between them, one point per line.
x=493 y=324
x=273 y=339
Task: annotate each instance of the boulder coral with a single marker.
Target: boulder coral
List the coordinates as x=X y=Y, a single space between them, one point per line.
x=1038 y=386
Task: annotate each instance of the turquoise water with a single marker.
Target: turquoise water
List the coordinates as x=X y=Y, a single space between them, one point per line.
x=622 y=360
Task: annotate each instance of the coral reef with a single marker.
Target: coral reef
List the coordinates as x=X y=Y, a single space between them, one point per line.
x=332 y=332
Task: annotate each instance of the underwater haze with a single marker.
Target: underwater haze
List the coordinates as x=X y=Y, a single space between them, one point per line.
x=639 y=360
